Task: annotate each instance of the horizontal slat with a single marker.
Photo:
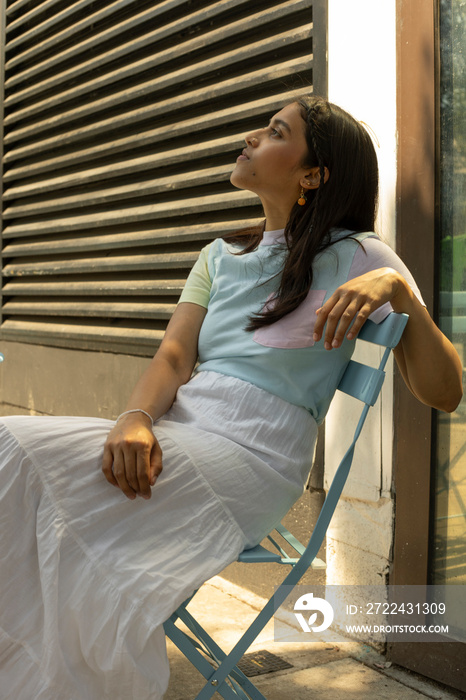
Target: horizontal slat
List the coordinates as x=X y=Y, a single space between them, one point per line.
x=94 y=337
x=130 y=287
x=122 y=216
x=387 y=334
x=106 y=264
x=89 y=309
x=15 y=6
x=362 y=382
x=259 y=554
x=127 y=239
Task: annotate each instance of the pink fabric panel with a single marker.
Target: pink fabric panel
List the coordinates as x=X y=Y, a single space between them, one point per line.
x=295 y=330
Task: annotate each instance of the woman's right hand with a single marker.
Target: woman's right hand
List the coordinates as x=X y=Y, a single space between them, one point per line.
x=132 y=456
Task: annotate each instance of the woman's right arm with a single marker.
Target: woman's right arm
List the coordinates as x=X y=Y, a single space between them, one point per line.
x=132 y=456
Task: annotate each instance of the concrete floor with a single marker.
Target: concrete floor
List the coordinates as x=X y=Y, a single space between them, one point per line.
x=325 y=670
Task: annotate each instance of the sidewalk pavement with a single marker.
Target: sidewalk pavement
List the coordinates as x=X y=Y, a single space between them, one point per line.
x=336 y=670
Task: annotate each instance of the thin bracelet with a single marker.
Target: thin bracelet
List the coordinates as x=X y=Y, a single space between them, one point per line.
x=136 y=410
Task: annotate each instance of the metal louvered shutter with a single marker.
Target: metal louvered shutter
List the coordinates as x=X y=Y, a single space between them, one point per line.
x=122 y=121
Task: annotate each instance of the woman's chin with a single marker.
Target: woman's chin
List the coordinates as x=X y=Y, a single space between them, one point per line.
x=240 y=182
x=236 y=180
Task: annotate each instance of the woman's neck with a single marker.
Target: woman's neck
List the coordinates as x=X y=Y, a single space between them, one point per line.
x=276 y=215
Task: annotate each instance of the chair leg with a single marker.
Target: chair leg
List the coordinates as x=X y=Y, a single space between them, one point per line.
x=235 y=686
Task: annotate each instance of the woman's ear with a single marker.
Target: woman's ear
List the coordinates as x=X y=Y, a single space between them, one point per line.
x=312 y=180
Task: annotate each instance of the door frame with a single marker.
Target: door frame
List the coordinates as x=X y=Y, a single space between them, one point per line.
x=418 y=84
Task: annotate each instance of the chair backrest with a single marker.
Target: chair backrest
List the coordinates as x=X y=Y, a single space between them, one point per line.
x=364 y=383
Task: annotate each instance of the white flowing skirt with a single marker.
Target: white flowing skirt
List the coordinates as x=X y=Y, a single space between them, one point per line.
x=87 y=577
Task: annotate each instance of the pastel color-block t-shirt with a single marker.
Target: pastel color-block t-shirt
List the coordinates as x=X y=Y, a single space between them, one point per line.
x=281 y=358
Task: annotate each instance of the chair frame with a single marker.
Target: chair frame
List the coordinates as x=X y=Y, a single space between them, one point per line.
x=364 y=383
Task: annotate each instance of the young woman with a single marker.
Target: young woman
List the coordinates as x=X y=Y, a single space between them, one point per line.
x=88 y=572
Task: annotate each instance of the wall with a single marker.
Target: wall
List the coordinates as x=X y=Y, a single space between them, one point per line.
x=113 y=181
x=362 y=79
x=38 y=380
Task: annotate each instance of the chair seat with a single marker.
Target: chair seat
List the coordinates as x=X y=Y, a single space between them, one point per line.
x=260 y=554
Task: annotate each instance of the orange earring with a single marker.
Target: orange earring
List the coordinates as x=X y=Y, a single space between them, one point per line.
x=302 y=199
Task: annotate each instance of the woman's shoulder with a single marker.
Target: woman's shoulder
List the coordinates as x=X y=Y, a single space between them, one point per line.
x=365 y=248
x=340 y=236
x=215 y=253
x=361 y=244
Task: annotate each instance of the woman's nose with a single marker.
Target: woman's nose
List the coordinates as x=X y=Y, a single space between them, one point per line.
x=252 y=140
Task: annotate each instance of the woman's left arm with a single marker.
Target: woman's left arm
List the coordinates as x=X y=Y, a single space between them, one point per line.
x=427 y=360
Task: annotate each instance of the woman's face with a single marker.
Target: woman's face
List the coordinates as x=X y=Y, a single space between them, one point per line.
x=271 y=165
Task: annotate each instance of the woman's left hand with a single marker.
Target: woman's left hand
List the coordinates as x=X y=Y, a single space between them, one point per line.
x=354 y=302
x=427 y=360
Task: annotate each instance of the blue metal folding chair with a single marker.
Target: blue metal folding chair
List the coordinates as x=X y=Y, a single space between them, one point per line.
x=221 y=671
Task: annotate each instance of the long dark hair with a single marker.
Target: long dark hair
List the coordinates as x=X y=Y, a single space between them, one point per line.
x=348 y=200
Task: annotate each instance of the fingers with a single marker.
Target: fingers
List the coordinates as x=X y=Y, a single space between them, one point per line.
x=345 y=319
x=121 y=469
x=341 y=315
x=107 y=464
x=132 y=461
x=155 y=463
x=349 y=307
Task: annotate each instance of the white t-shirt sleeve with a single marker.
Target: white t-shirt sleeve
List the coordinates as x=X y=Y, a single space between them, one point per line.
x=374 y=254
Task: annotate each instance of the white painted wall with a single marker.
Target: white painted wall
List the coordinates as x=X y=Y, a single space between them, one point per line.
x=362 y=80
